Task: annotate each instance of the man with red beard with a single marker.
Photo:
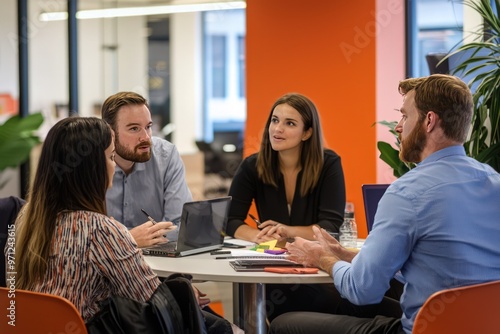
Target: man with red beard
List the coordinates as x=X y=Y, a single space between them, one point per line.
x=437 y=226
x=149 y=172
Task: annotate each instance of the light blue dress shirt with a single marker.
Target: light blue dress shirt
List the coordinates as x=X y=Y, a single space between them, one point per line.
x=439 y=224
x=158 y=186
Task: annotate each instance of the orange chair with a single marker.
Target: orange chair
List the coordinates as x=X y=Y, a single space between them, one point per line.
x=467 y=309
x=33 y=312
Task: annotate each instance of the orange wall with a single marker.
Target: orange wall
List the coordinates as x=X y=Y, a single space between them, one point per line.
x=325 y=50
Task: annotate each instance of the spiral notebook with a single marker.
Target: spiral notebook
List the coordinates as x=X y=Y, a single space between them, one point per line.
x=261 y=264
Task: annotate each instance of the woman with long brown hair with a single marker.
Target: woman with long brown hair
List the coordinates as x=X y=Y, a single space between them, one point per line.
x=65 y=243
x=296 y=184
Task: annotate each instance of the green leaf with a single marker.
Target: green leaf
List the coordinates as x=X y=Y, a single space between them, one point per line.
x=483 y=65
x=17 y=138
x=390 y=156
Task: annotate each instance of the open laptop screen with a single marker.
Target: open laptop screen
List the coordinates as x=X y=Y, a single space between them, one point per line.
x=200 y=230
x=202 y=224
x=372 y=193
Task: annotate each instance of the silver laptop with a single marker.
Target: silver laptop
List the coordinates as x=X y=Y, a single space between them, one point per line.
x=201 y=229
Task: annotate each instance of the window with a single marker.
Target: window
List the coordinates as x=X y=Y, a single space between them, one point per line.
x=224 y=104
x=217 y=54
x=434 y=26
x=241 y=66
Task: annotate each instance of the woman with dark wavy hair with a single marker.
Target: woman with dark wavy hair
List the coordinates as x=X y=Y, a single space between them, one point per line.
x=65 y=243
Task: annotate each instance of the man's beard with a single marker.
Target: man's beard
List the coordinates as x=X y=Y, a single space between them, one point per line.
x=132 y=155
x=412 y=146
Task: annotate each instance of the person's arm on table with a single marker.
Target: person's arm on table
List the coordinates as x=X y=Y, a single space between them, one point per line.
x=116 y=256
x=149 y=234
x=248 y=233
x=276 y=230
x=322 y=253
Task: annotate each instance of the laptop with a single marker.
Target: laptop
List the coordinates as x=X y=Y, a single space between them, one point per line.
x=201 y=229
x=372 y=193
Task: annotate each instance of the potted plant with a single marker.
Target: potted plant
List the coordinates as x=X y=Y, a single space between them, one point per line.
x=483 y=142
x=17 y=138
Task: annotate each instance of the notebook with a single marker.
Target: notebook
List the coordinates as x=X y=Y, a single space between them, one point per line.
x=372 y=193
x=261 y=264
x=201 y=229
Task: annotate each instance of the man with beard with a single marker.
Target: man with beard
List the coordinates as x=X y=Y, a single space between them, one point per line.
x=438 y=225
x=149 y=172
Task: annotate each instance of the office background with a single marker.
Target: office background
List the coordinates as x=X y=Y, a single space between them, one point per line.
x=347 y=56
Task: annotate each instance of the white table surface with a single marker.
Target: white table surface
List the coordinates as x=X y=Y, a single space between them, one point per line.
x=205 y=267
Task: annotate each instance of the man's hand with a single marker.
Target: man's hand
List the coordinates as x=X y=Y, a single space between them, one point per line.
x=149 y=234
x=320 y=253
x=326 y=240
x=305 y=252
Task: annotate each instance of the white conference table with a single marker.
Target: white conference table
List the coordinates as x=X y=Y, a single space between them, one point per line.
x=249 y=294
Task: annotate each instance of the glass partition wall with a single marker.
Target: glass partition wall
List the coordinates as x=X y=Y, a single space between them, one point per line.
x=129 y=53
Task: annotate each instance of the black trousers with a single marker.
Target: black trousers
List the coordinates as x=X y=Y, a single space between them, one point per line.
x=324 y=298
x=321 y=323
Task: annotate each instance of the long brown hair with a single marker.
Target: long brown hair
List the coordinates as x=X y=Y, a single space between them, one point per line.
x=71 y=175
x=311 y=154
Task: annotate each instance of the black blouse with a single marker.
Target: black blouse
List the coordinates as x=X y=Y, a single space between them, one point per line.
x=324 y=206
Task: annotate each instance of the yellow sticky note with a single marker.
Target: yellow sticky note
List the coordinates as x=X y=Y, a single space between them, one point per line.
x=270 y=244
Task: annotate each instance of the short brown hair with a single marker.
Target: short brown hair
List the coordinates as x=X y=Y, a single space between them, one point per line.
x=446 y=95
x=112 y=105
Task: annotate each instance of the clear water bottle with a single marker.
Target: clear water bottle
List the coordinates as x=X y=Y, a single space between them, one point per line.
x=348 y=231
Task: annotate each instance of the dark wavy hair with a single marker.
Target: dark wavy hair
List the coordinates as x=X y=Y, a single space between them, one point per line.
x=71 y=175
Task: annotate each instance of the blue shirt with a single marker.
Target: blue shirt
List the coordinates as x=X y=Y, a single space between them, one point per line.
x=439 y=224
x=158 y=186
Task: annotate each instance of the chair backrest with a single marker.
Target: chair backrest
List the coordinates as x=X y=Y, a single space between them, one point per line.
x=9 y=208
x=33 y=312
x=372 y=193
x=467 y=309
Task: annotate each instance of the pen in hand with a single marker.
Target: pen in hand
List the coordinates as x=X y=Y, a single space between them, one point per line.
x=255 y=220
x=149 y=217
x=170 y=228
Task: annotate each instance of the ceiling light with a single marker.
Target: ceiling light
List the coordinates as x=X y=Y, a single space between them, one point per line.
x=143 y=11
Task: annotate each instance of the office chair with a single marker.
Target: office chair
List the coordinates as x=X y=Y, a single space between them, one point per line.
x=9 y=208
x=467 y=309
x=34 y=312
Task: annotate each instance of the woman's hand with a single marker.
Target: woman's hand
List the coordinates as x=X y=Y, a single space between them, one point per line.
x=252 y=234
x=201 y=297
x=272 y=230
x=149 y=234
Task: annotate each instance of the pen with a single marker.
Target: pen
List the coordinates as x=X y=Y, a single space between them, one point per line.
x=149 y=217
x=255 y=220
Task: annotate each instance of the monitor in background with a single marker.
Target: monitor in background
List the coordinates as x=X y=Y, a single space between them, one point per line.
x=433 y=61
x=372 y=193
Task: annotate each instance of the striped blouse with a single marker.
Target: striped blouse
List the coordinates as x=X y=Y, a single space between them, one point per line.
x=92 y=257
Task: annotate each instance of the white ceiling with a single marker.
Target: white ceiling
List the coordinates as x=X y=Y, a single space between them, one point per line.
x=98 y=4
